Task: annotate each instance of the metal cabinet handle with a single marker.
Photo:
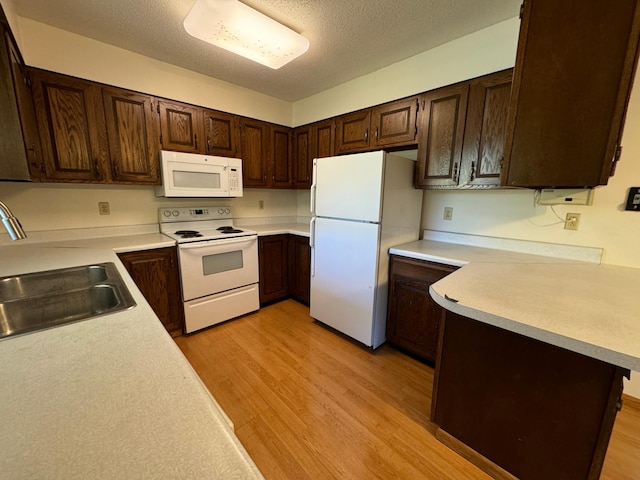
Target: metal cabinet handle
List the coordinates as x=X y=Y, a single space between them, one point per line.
x=455 y=172
x=366 y=135
x=473 y=171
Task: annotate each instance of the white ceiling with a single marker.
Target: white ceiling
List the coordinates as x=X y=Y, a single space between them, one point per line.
x=349 y=38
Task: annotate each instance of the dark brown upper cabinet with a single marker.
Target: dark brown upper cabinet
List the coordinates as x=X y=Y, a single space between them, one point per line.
x=574 y=70
x=21 y=154
x=222 y=134
x=485 y=130
x=352 y=131
x=181 y=127
x=302 y=157
x=395 y=123
x=280 y=157
x=440 y=137
x=389 y=125
x=323 y=139
x=72 y=127
x=132 y=125
x=255 y=152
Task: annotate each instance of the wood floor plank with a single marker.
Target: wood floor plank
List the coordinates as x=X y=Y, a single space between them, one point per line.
x=309 y=403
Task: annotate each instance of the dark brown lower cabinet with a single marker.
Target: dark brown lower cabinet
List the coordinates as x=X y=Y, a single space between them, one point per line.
x=533 y=409
x=273 y=253
x=300 y=268
x=413 y=318
x=284 y=267
x=156 y=274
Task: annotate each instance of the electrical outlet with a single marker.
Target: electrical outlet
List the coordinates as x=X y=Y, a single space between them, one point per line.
x=571 y=222
x=103 y=208
x=261 y=204
x=448 y=213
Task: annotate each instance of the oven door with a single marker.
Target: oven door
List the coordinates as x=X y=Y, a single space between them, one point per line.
x=215 y=266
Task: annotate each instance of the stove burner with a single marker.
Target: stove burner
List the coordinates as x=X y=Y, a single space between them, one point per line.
x=228 y=229
x=188 y=233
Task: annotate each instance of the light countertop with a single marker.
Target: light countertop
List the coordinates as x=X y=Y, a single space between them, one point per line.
x=584 y=307
x=301 y=229
x=108 y=397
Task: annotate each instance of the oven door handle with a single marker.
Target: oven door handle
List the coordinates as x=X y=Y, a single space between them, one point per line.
x=211 y=243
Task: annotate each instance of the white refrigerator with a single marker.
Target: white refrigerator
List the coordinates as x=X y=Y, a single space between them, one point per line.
x=361 y=205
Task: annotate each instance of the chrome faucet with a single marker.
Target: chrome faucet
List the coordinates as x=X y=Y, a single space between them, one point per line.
x=11 y=223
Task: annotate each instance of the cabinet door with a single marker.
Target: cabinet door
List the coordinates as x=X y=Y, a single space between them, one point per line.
x=302 y=157
x=71 y=126
x=132 y=125
x=485 y=129
x=352 y=131
x=395 y=123
x=413 y=318
x=440 y=136
x=572 y=79
x=155 y=273
x=280 y=157
x=181 y=127
x=222 y=134
x=273 y=259
x=19 y=137
x=323 y=139
x=255 y=152
x=300 y=268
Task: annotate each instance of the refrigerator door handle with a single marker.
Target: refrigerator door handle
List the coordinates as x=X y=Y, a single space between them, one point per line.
x=313 y=188
x=312 y=244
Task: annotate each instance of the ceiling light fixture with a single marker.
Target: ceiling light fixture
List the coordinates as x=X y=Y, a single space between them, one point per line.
x=234 y=26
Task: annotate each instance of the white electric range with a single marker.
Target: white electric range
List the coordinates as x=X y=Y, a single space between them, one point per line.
x=218 y=264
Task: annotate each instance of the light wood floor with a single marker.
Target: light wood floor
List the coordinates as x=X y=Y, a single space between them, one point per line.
x=307 y=403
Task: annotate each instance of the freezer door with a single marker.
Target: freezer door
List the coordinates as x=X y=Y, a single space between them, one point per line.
x=343 y=281
x=349 y=186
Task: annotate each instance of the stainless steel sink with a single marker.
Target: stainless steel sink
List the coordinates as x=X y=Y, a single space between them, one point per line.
x=36 y=301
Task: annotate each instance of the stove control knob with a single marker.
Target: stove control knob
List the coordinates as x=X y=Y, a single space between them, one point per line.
x=175 y=213
x=221 y=211
x=227 y=211
x=166 y=213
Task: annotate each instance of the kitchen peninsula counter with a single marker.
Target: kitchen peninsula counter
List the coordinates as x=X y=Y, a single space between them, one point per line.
x=585 y=307
x=108 y=397
x=531 y=357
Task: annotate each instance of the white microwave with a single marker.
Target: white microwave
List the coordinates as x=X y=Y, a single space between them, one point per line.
x=194 y=175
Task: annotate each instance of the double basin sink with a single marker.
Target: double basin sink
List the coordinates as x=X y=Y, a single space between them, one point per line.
x=41 y=300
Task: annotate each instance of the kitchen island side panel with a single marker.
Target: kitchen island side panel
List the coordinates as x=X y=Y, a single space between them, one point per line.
x=534 y=409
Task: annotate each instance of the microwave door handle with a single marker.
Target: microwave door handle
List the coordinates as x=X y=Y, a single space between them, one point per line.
x=215 y=243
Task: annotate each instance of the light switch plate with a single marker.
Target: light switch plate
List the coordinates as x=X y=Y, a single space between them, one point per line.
x=633 y=200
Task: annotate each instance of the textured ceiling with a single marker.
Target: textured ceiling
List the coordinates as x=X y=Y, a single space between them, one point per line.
x=348 y=38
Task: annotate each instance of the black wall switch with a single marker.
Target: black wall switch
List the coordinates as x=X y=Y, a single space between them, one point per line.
x=633 y=200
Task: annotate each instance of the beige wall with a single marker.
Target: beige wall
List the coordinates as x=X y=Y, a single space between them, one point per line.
x=60 y=207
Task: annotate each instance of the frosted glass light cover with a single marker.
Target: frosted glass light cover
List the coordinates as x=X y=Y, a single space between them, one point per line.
x=244 y=31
